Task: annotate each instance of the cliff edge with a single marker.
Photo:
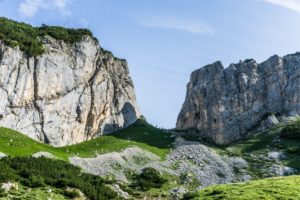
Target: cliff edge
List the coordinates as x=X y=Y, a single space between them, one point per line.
x=70 y=92
x=225 y=104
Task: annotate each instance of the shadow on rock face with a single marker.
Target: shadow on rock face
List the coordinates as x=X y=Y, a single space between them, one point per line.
x=110 y=128
x=129 y=116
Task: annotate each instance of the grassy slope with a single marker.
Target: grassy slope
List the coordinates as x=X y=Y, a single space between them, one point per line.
x=159 y=142
x=264 y=142
x=139 y=134
x=154 y=140
x=284 y=188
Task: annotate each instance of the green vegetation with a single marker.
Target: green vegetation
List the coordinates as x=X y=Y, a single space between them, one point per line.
x=24 y=192
x=149 y=178
x=161 y=184
x=139 y=134
x=292 y=131
x=259 y=144
x=25 y=36
x=149 y=183
x=284 y=188
x=41 y=172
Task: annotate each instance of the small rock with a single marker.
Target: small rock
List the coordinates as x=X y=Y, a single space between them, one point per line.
x=43 y=154
x=269 y=122
x=178 y=193
x=8 y=186
x=238 y=162
x=285 y=171
x=2 y=155
x=276 y=155
x=120 y=192
x=245 y=178
x=293 y=114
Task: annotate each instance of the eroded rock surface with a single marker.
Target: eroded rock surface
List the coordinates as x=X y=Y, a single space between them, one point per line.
x=224 y=104
x=69 y=94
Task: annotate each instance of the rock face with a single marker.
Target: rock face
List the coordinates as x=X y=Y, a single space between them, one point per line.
x=69 y=94
x=224 y=104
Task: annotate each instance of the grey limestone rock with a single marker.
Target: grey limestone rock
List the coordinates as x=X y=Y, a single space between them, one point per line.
x=43 y=154
x=224 y=104
x=270 y=122
x=69 y=94
x=2 y=155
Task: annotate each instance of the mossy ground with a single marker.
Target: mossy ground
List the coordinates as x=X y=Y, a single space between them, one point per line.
x=283 y=188
x=140 y=134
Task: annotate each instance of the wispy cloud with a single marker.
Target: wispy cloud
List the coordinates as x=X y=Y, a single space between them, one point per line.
x=176 y=23
x=29 y=8
x=289 y=4
x=83 y=22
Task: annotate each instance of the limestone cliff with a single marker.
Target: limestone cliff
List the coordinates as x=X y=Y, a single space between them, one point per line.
x=69 y=94
x=224 y=104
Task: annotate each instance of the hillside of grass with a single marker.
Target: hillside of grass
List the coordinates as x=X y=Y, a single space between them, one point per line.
x=261 y=143
x=158 y=141
x=139 y=134
x=257 y=145
x=283 y=188
x=25 y=36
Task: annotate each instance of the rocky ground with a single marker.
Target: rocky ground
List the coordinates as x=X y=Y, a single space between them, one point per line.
x=116 y=164
x=193 y=164
x=191 y=161
x=206 y=165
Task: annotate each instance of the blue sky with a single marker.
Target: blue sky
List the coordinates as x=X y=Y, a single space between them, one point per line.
x=165 y=40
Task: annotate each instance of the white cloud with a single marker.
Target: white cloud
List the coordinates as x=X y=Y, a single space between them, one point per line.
x=84 y=22
x=29 y=8
x=289 y=4
x=182 y=24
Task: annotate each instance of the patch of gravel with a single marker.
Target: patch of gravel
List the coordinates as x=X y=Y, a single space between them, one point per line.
x=237 y=162
x=207 y=166
x=277 y=170
x=186 y=157
x=272 y=164
x=43 y=154
x=117 y=163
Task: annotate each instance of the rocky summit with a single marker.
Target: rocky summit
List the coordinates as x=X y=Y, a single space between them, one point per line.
x=68 y=94
x=225 y=104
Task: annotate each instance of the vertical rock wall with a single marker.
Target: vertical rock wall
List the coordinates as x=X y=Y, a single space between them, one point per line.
x=70 y=94
x=224 y=104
